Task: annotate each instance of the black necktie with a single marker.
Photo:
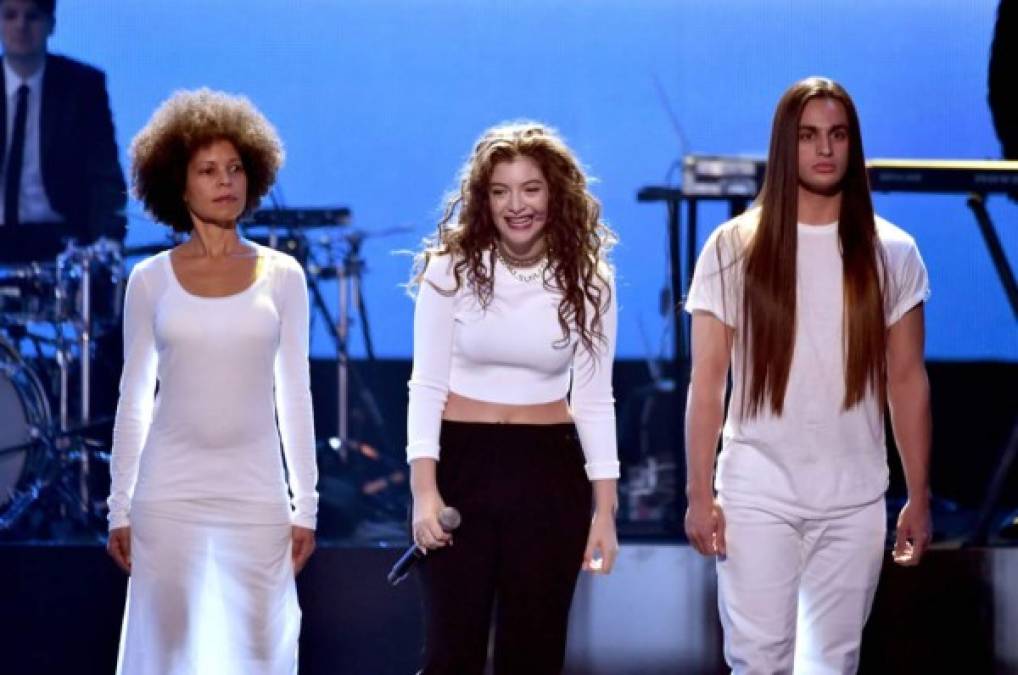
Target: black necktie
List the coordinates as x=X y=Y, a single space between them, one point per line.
x=12 y=176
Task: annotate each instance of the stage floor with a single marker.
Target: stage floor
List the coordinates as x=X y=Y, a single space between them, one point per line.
x=656 y=615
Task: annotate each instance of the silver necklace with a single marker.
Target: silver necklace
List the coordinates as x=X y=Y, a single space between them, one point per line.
x=521 y=276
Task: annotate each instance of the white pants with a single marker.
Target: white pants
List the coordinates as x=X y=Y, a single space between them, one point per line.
x=794 y=591
x=209 y=598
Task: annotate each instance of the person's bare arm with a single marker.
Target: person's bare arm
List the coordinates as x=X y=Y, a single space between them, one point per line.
x=705 y=410
x=908 y=395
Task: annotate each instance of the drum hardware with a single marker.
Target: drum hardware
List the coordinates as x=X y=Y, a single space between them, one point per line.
x=359 y=486
x=381 y=485
x=17 y=504
x=349 y=270
x=51 y=477
x=334 y=254
x=75 y=305
x=26 y=293
x=330 y=251
x=46 y=464
x=344 y=263
x=650 y=490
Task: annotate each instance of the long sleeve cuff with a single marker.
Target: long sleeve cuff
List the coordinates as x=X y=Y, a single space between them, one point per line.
x=424 y=419
x=117 y=517
x=305 y=518
x=602 y=470
x=422 y=450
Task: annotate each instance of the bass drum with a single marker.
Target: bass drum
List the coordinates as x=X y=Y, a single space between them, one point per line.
x=24 y=415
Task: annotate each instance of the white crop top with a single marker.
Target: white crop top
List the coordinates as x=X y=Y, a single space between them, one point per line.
x=227 y=368
x=509 y=352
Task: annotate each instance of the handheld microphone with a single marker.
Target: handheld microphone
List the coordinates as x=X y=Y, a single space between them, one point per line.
x=449 y=518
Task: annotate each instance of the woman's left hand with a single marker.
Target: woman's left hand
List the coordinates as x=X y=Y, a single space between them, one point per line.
x=602 y=544
x=303 y=546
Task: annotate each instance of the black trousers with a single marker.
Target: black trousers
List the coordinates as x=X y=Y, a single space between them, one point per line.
x=526 y=506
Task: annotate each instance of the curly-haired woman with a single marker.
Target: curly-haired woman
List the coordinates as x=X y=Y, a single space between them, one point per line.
x=515 y=312
x=199 y=511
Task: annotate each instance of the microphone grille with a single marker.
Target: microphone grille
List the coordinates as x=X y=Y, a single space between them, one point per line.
x=449 y=518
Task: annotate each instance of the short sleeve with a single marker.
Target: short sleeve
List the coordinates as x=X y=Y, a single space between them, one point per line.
x=908 y=282
x=717 y=277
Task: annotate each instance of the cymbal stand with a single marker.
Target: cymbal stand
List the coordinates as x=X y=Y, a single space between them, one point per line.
x=344 y=284
x=64 y=357
x=59 y=449
x=348 y=267
x=85 y=350
x=79 y=316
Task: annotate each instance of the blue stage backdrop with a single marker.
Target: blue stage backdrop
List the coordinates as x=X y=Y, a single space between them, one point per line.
x=378 y=102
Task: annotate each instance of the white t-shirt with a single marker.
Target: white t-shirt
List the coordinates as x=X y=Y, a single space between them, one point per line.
x=816 y=457
x=509 y=352
x=226 y=368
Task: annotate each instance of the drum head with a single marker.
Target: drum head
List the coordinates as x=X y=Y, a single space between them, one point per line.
x=22 y=410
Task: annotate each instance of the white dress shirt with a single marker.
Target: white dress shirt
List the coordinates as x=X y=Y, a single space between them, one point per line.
x=33 y=205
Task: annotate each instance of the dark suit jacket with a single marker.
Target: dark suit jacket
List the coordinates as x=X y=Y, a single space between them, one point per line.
x=78 y=152
x=1003 y=93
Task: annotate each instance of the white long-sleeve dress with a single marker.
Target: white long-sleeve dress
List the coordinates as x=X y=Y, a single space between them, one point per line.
x=198 y=475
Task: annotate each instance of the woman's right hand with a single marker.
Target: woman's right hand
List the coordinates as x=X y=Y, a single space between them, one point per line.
x=428 y=533
x=118 y=545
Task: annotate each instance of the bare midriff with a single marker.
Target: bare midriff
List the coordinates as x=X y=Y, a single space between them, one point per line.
x=463 y=409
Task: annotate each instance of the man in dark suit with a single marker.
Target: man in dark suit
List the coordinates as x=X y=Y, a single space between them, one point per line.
x=61 y=175
x=1002 y=96
x=61 y=178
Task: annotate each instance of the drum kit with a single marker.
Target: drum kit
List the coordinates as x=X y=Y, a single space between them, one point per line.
x=51 y=314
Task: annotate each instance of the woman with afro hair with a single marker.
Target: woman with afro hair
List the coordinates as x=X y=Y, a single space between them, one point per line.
x=199 y=510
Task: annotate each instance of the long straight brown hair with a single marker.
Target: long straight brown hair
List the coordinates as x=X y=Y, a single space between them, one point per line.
x=768 y=302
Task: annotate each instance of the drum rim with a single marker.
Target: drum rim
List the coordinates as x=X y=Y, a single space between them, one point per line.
x=31 y=395
x=28 y=386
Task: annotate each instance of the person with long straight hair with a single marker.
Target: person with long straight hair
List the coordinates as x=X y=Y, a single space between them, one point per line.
x=515 y=311
x=816 y=306
x=199 y=510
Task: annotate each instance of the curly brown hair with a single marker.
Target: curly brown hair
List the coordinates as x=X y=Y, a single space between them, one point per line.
x=187 y=122
x=576 y=240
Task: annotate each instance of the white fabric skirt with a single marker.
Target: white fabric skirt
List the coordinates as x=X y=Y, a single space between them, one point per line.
x=208 y=597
